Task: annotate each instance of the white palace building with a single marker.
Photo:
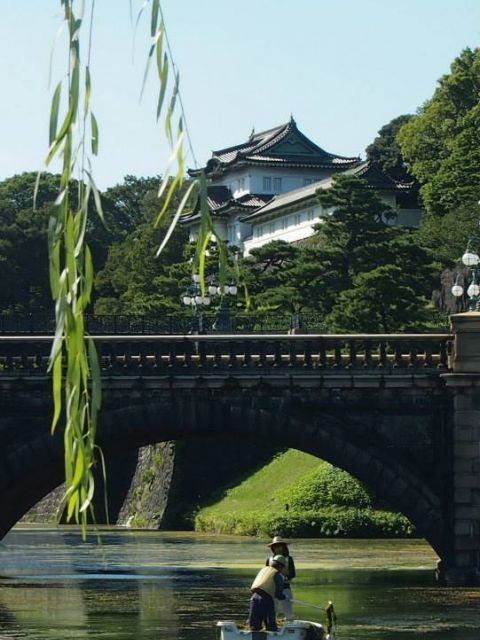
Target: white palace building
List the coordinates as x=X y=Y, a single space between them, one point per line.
x=265 y=189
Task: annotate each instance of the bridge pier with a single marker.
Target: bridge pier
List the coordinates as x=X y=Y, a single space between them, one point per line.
x=462 y=563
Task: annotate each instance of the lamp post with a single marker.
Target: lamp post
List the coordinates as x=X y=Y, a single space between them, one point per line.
x=193 y=298
x=471 y=260
x=223 y=321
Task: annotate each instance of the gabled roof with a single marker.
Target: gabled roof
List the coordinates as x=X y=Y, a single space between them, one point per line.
x=282 y=146
x=220 y=200
x=376 y=178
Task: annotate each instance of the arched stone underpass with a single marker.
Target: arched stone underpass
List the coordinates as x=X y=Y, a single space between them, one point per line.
x=33 y=466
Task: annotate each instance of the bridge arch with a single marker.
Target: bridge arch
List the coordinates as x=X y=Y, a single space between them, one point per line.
x=35 y=467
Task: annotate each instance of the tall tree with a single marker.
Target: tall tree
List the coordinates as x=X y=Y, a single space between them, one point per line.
x=23 y=243
x=131 y=203
x=134 y=282
x=268 y=275
x=383 y=277
x=441 y=143
x=385 y=151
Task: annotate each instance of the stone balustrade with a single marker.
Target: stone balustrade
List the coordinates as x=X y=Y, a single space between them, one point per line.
x=195 y=354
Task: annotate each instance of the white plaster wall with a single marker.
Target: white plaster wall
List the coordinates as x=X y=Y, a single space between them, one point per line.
x=291 y=179
x=239 y=183
x=301 y=232
x=289 y=228
x=253 y=180
x=219 y=226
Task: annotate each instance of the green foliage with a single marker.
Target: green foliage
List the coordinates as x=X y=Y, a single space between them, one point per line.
x=325 y=486
x=307 y=498
x=323 y=523
x=73 y=358
x=24 y=287
x=268 y=273
x=130 y=204
x=383 y=276
x=23 y=243
x=283 y=470
x=440 y=143
x=357 y=272
x=133 y=281
x=385 y=152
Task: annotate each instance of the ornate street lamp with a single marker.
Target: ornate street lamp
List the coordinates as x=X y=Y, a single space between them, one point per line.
x=223 y=321
x=193 y=298
x=470 y=259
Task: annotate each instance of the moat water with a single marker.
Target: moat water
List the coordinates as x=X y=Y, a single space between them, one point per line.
x=159 y=586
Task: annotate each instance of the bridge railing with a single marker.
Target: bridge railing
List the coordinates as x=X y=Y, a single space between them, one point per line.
x=200 y=354
x=168 y=324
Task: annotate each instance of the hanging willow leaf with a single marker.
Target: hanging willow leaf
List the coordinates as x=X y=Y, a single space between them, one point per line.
x=96 y=197
x=54 y=113
x=88 y=88
x=71 y=114
x=154 y=17
x=163 y=85
x=176 y=217
x=94 y=126
x=74 y=365
x=57 y=389
x=87 y=496
x=96 y=375
x=82 y=218
x=171 y=109
x=159 y=48
x=104 y=477
x=171 y=160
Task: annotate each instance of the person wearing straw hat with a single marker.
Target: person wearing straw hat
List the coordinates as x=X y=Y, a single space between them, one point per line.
x=280 y=546
x=268 y=584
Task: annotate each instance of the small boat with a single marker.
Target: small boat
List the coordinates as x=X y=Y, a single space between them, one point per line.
x=296 y=630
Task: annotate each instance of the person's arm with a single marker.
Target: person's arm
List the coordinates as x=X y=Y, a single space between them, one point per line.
x=278 y=579
x=291 y=568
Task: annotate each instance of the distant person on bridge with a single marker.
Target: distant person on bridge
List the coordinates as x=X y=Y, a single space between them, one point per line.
x=267 y=585
x=279 y=546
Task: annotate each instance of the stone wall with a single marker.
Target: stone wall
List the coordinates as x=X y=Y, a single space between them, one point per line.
x=138 y=484
x=464 y=562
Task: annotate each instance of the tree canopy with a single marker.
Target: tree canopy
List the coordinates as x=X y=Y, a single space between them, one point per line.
x=385 y=151
x=441 y=143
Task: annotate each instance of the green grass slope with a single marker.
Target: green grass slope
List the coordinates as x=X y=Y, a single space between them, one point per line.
x=298 y=495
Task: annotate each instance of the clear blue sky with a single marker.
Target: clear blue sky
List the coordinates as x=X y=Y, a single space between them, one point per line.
x=343 y=69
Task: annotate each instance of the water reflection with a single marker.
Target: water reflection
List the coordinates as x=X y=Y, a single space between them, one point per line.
x=146 y=586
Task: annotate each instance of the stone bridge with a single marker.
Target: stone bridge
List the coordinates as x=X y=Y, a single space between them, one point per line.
x=399 y=412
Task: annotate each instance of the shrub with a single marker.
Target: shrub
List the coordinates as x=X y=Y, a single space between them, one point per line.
x=323 y=523
x=323 y=487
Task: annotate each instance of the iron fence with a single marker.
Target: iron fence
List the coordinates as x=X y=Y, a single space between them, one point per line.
x=205 y=323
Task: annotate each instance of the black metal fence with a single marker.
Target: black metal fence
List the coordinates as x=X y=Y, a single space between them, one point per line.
x=44 y=324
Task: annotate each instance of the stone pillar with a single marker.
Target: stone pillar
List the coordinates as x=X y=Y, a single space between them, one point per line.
x=463 y=564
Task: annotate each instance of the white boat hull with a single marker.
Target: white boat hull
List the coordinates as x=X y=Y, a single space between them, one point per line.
x=296 y=630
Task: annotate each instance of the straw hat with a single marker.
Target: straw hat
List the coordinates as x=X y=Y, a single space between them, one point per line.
x=277 y=540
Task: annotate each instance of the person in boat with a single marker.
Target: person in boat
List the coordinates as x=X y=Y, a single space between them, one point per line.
x=280 y=546
x=267 y=585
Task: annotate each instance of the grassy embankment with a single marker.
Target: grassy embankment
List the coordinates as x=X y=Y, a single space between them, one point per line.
x=298 y=495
